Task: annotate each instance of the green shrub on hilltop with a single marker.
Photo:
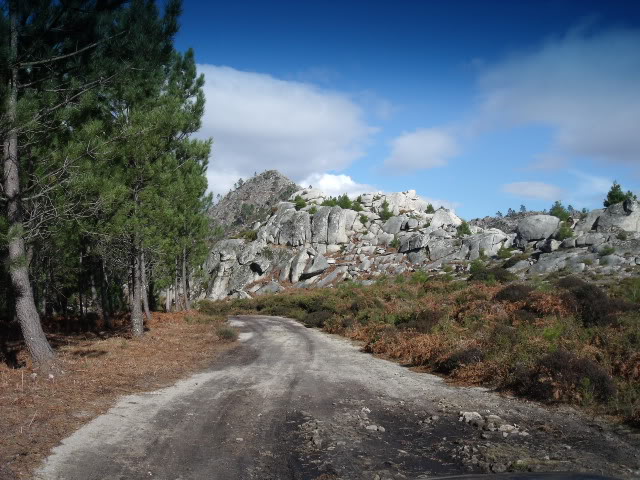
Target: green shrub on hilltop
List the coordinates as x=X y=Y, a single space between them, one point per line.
x=616 y=195
x=558 y=210
x=299 y=202
x=385 y=213
x=464 y=229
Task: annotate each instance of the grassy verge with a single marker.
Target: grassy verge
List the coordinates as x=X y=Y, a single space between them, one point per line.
x=38 y=412
x=562 y=341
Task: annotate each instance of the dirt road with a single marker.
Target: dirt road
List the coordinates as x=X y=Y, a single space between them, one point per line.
x=295 y=403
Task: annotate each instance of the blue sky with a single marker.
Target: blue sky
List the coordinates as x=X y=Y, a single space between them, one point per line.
x=481 y=105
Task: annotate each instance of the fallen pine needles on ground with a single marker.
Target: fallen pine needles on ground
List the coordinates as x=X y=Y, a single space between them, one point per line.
x=38 y=412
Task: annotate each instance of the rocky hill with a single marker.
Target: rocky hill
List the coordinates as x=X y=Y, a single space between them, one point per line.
x=303 y=243
x=252 y=201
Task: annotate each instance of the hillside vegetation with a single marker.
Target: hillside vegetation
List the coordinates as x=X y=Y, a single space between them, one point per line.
x=561 y=340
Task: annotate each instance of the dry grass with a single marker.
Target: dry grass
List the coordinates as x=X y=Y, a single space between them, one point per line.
x=38 y=412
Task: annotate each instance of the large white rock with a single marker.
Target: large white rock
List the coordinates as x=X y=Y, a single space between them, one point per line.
x=445 y=218
x=623 y=216
x=537 y=227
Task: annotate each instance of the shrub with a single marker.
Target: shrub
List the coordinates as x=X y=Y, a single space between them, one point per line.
x=628 y=289
x=364 y=219
x=504 y=253
x=593 y=305
x=357 y=206
x=317 y=319
x=313 y=210
x=464 y=229
x=422 y=321
x=515 y=259
x=516 y=292
x=430 y=209
x=250 y=235
x=616 y=195
x=330 y=202
x=606 y=251
x=226 y=333
x=564 y=232
x=524 y=316
x=345 y=202
x=395 y=243
x=460 y=358
x=562 y=376
x=491 y=275
x=558 y=210
x=299 y=202
x=419 y=277
x=622 y=236
x=571 y=282
x=477 y=266
x=385 y=214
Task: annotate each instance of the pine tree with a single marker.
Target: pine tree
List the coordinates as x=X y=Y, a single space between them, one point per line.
x=616 y=195
x=44 y=72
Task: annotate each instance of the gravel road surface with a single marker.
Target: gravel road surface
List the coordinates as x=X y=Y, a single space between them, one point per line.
x=295 y=403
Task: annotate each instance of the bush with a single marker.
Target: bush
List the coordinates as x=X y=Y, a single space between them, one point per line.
x=622 y=236
x=562 y=376
x=593 y=305
x=571 y=282
x=464 y=229
x=430 y=209
x=313 y=210
x=345 y=202
x=357 y=206
x=495 y=274
x=477 y=266
x=564 y=232
x=460 y=358
x=515 y=259
x=226 y=333
x=317 y=319
x=364 y=219
x=299 y=202
x=628 y=289
x=250 y=235
x=385 y=214
x=395 y=243
x=616 y=195
x=504 y=253
x=524 y=316
x=606 y=251
x=558 y=210
x=423 y=321
x=516 y=292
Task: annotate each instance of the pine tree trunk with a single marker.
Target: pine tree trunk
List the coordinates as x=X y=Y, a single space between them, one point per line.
x=26 y=310
x=137 y=323
x=176 y=290
x=105 y=301
x=143 y=283
x=167 y=300
x=187 y=301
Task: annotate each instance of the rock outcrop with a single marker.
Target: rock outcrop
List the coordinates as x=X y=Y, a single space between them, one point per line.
x=318 y=246
x=252 y=201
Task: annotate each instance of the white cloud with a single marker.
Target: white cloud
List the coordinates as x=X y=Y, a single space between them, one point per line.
x=583 y=85
x=260 y=122
x=421 y=149
x=335 y=185
x=534 y=190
